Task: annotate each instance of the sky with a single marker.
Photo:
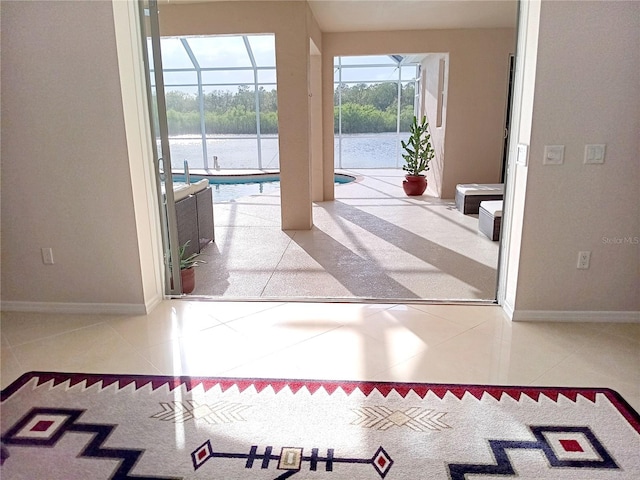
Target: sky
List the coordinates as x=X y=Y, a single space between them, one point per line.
x=230 y=53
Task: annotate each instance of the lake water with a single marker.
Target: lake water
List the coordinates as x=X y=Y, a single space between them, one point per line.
x=241 y=152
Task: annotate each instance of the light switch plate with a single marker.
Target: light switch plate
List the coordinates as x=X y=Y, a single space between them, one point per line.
x=594 y=154
x=553 y=155
x=523 y=154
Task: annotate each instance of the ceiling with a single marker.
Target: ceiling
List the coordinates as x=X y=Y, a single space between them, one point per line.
x=375 y=15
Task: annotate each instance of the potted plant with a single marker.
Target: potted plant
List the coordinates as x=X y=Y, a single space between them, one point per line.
x=187 y=272
x=419 y=153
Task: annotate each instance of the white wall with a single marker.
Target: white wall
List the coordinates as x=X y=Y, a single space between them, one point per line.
x=66 y=182
x=433 y=94
x=587 y=90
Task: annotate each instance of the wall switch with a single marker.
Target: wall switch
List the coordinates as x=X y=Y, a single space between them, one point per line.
x=47 y=256
x=594 y=154
x=523 y=154
x=583 y=260
x=553 y=155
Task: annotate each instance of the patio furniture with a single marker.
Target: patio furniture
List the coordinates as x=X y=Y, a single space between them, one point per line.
x=204 y=207
x=490 y=218
x=194 y=215
x=469 y=196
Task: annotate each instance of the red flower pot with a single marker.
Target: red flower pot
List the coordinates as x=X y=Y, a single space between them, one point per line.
x=188 y=277
x=414 y=185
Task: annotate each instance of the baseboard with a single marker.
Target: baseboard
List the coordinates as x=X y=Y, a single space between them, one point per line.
x=78 y=308
x=508 y=309
x=153 y=303
x=574 y=316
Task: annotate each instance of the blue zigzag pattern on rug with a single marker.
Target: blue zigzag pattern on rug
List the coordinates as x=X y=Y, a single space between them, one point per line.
x=59 y=421
x=503 y=466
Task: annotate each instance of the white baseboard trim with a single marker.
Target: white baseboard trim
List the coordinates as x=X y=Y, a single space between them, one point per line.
x=574 y=316
x=153 y=303
x=79 y=308
x=508 y=309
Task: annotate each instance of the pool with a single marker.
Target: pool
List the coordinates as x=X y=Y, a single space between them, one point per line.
x=227 y=188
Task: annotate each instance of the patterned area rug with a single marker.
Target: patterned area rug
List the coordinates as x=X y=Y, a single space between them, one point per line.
x=82 y=426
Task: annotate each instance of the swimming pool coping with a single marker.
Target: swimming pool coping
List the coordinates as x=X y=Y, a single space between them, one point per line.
x=250 y=175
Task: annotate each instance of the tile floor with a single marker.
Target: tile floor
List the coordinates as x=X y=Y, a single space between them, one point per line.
x=372 y=242
x=394 y=342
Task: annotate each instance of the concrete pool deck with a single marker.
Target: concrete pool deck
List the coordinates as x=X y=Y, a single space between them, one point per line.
x=372 y=242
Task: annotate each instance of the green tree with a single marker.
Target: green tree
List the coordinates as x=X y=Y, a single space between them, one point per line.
x=382 y=95
x=181 y=101
x=268 y=100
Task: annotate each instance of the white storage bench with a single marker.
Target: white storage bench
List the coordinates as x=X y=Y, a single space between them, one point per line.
x=490 y=218
x=469 y=195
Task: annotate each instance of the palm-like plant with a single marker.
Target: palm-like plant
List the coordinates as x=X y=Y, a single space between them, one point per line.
x=419 y=151
x=191 y=260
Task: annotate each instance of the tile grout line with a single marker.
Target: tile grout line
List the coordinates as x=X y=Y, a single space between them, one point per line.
x=55 y=334
x=277 y=264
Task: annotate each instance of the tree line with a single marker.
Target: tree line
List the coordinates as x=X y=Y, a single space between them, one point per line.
x=366 y=108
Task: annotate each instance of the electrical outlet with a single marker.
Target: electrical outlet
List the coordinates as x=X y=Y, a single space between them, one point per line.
x=553 y=155
x=47 y=256
x=584 y=258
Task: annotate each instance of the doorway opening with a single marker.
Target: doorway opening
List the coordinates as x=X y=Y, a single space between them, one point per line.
x=363 y=248
x=221 y=100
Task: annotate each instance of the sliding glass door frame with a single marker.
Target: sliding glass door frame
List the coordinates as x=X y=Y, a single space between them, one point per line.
x=150 y=28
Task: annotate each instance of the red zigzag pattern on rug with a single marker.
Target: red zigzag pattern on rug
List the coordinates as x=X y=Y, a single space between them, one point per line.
x=348 y=387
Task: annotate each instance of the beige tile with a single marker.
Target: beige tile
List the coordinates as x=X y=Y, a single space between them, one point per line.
x=535 y=348
x=170 y=320
x=466 y=315
x=343 y=312
x=210 y=352
x=578 y=371
x=229 y=311
x=432 y=366
x=417 y=342
x=566 y=337
x=630 y=331
x=273 y=366
x=602 y=356
x=94 y=349
x=292 y=323
x=315 y=317
x=10 y=368
x=406 y=325
x=341 y=353
x=21 y=327
x=476 y=355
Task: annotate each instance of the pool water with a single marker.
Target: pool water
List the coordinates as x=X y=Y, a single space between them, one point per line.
x=230 y=189
x=228 y=192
